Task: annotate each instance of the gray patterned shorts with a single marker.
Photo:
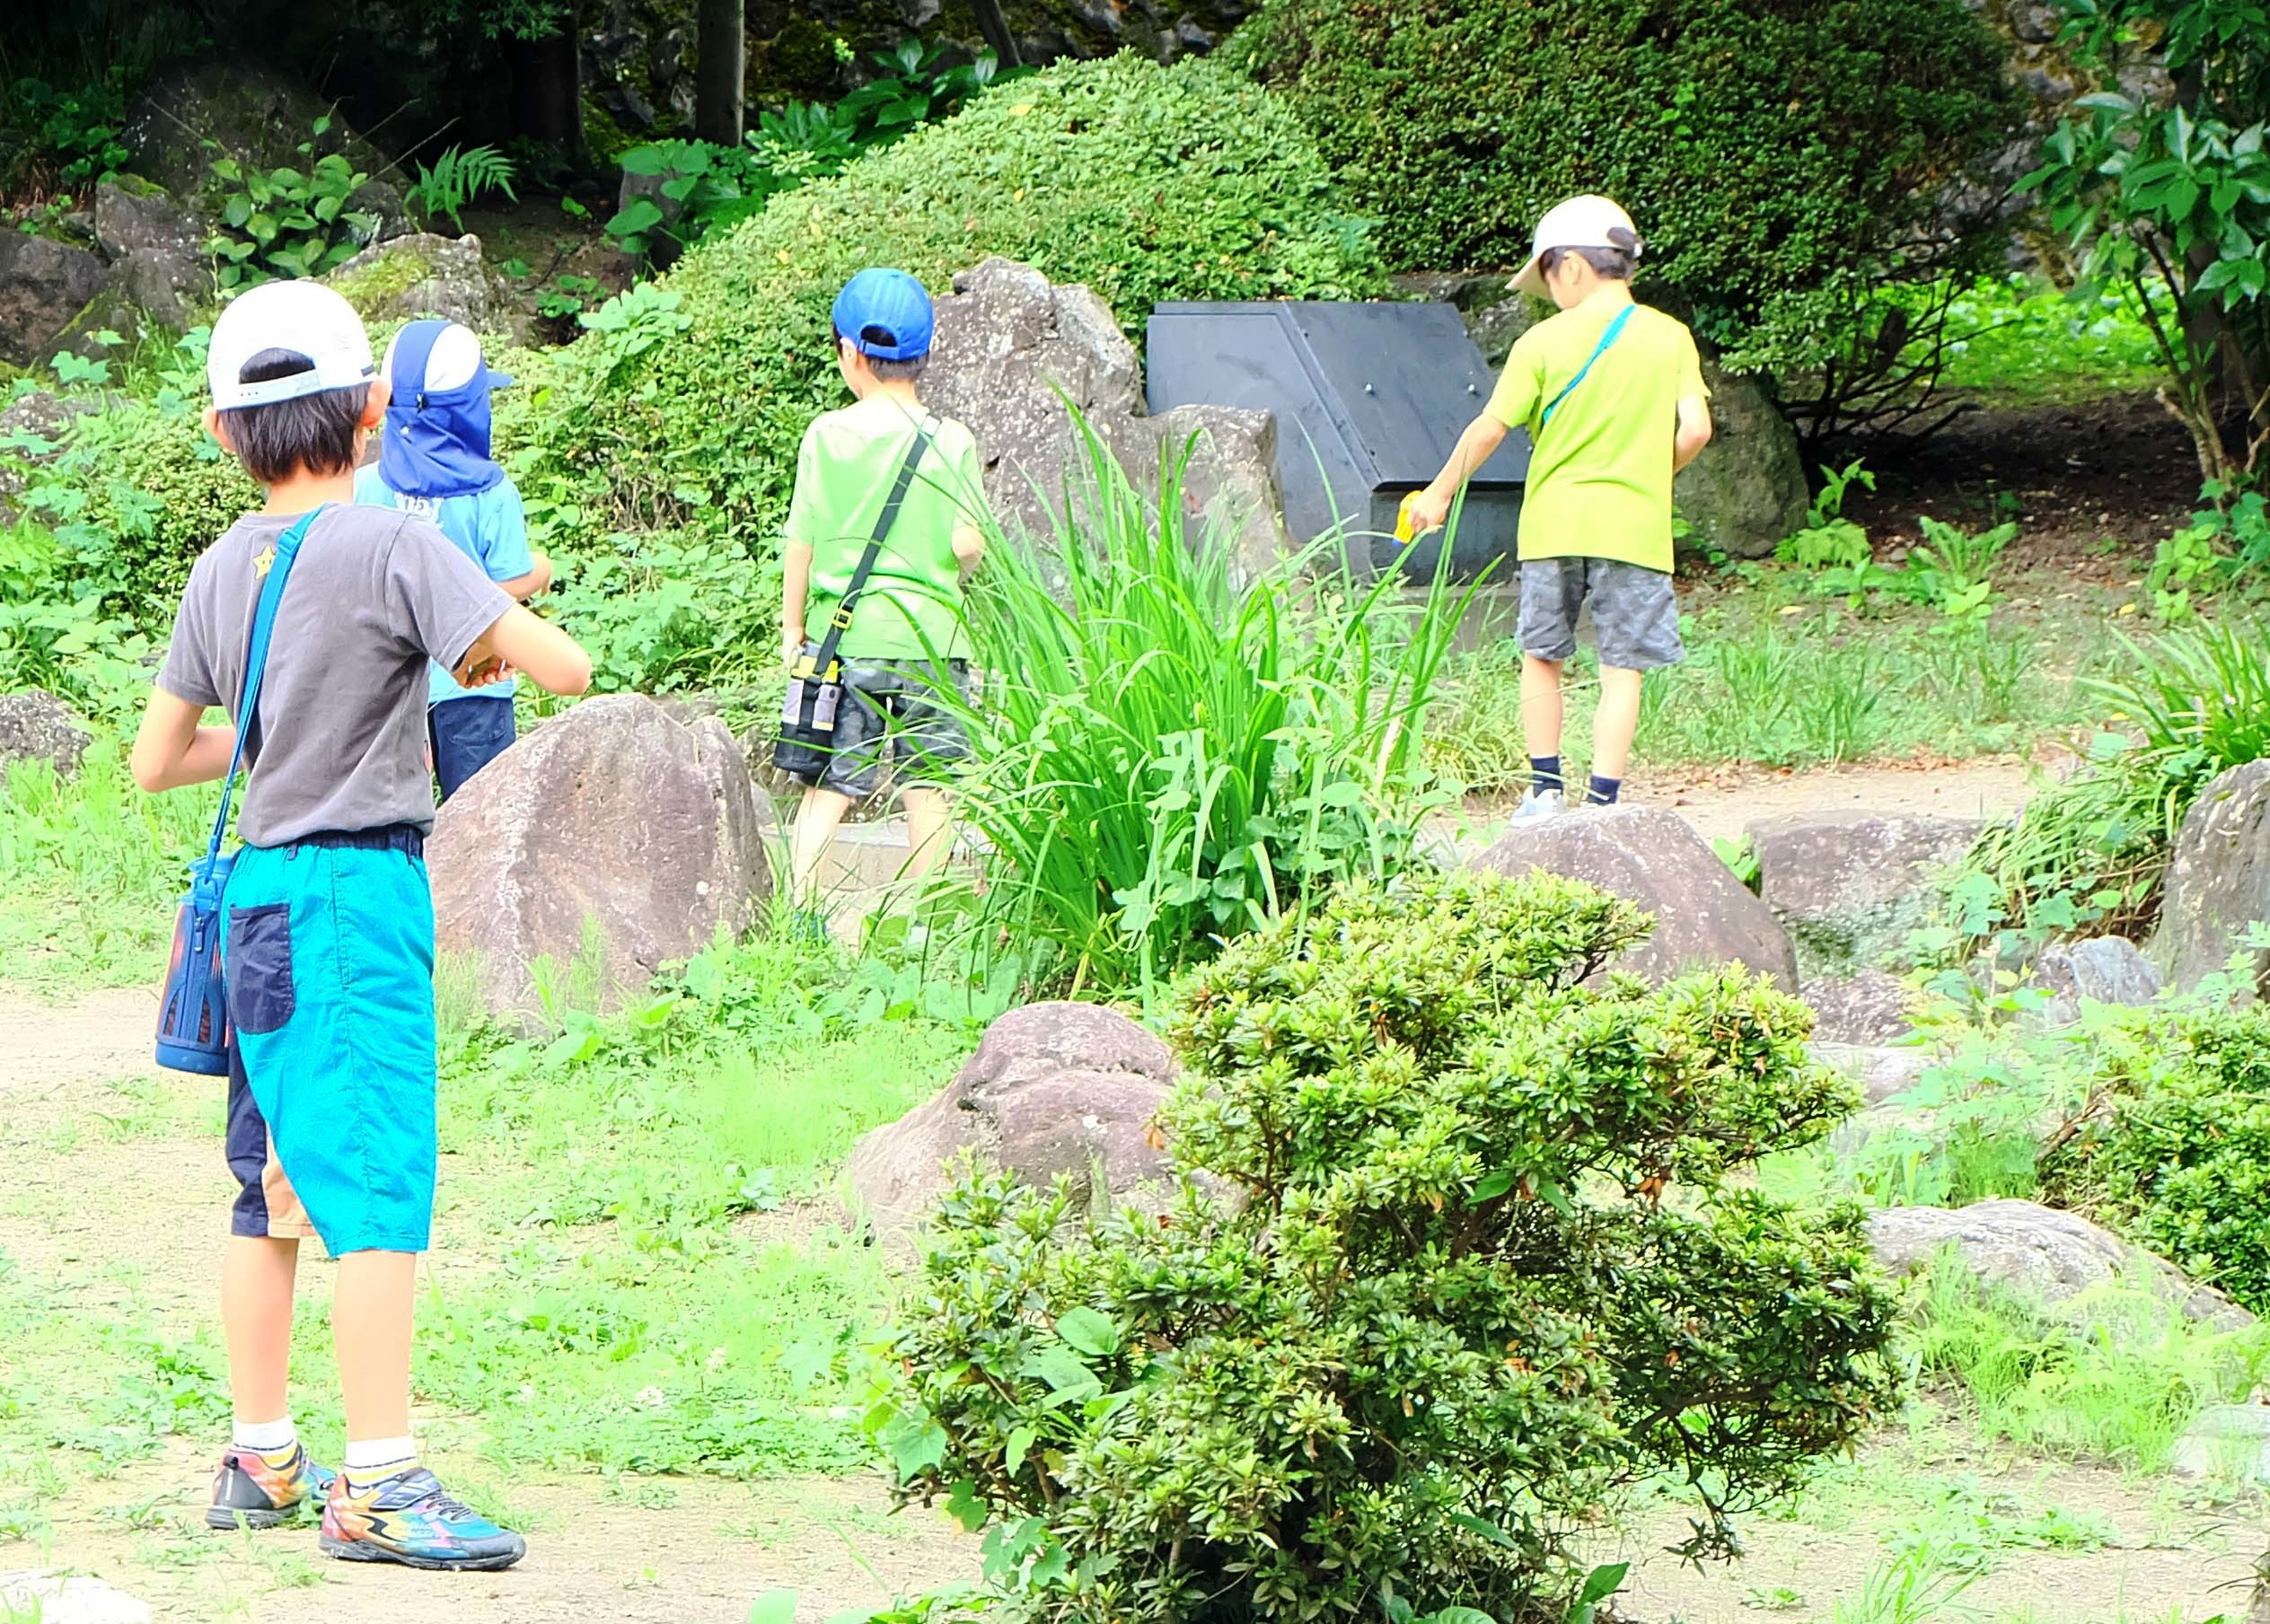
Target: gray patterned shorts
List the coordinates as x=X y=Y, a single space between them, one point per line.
x=1635 y=614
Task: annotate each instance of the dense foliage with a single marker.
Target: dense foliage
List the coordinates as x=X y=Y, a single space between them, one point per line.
x=1778 y=159
x=1176 y=747
x=1145 y=183
x=2170 y=203
x=2174 y=1146
x=1452 y=1308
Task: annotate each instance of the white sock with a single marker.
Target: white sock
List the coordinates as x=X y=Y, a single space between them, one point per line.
x=266 y=1437
x=376 y=1458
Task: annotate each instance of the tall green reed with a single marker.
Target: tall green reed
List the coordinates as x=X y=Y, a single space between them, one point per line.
x=1173 y=745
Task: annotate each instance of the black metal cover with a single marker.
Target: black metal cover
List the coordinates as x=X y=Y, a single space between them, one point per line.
x=1369 y=398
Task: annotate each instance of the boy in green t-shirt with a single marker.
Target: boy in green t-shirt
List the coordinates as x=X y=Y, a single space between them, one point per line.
x=904 y=643
x=1612 y=395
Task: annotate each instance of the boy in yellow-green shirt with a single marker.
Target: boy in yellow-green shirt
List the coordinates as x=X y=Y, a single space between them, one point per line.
x=1612 y=395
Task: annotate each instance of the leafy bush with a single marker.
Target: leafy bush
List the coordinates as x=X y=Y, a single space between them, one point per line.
x=1779 y=160
x=64 y=139
x=2168 y=204
x=1437 y=1307
x=1172 y=753
x=284 y=222
x=2174 y=1146
x=1146 y=182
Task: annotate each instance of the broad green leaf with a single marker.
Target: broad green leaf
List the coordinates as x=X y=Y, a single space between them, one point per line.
x=1602 y=1582
x=774 y=1607
x=1491 y=1186
x=1088 y=1332
x=1012 y=1454
x=1487 y=1530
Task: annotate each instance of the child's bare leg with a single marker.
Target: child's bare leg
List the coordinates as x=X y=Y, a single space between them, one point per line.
x=1615 y=721
x=257 y=1275
x=1541 y=705
x=929 y=829
x=818 y=818
x=371 y=1312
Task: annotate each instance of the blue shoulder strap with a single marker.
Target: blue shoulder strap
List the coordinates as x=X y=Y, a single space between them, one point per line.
x=1615 y=331
x=288 y=548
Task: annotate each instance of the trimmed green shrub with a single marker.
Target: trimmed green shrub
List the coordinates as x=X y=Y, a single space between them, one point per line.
x=1147 y=183
x=1461 y=1247
x=2174 y=1146
x=1776 y=157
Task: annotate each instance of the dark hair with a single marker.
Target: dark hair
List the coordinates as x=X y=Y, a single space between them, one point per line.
x=889 y=372
x=313 y=432
x=1614 y=263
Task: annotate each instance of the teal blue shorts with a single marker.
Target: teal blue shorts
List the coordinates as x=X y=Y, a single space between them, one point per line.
x=330 y=957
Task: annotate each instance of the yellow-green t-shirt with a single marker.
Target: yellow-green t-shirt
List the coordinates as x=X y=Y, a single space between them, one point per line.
x=1599 y=482
x=909 y=608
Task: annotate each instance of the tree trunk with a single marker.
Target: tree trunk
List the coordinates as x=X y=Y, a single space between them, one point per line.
x=548 y=104
x=994 y=26
x=722 y=52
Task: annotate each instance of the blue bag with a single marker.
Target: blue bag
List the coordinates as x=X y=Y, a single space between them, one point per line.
x=193 y=1009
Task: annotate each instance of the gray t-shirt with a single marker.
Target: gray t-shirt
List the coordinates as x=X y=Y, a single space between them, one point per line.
x=374 y=595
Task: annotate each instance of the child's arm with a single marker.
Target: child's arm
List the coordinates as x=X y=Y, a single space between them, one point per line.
x=968 y=547
x=796 y=592
x=1693 y=432
x=1430 y=508
x=172 y=751
x=523 y=642
x=538 y=579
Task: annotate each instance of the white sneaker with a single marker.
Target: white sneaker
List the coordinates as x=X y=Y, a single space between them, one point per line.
x=1536 y=806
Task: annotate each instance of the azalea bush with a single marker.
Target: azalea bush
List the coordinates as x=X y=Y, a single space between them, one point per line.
x=1462 y=1243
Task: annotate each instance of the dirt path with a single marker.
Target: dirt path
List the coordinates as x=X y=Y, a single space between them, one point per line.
x=114 y=1206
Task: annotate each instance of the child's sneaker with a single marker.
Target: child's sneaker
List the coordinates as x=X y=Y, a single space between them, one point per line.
x=410 y=1518
x=256 y=1490
x=1536 y=806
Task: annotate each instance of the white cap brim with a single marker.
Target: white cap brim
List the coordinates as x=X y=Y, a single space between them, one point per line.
x=303 y=319
x=1530 y=279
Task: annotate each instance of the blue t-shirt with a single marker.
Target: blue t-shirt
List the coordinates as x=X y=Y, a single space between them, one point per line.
x=489 y=527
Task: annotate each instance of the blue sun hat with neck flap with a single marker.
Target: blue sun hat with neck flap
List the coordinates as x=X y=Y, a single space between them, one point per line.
x=437 y=424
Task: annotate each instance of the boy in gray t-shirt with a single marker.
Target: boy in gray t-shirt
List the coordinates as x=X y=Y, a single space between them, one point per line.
x=328 y=926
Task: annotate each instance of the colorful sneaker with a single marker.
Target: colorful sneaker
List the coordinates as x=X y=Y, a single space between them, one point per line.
x=253 y=1490
x=410 y=1519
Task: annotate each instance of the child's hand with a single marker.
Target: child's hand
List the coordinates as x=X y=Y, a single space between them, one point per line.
x=791 y=646
x=481 y=668
x=1427 y=509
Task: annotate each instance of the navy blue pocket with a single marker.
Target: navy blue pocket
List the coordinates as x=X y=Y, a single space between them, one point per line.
x=259 y=967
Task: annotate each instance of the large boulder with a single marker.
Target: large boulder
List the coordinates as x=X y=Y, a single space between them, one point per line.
x=1704 y=916
x=2100 y=970
x=1013 y=351
x=220 y=103
x=2219 y=882
x=131 y=214
x=37 y=726
x=159 y=272
x=2050 y=1256
x=1053 y=1089
x=1867 y=1006
x=1882 y=1070
x=426 y=275
x=611 y=823
x=44 y=285
x=1849 y=884
x=1747 y=492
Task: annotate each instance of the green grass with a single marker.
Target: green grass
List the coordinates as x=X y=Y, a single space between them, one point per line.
x=1777 y=676
x=2019 y=342
x=2120 y=1386
x=91 y=871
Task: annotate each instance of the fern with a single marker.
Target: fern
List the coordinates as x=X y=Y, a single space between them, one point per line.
x=458 y=177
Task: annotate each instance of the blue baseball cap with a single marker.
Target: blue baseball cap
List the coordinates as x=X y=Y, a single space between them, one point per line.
x=886 y=314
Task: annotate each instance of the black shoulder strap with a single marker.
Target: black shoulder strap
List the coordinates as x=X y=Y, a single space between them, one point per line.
x=840 y=621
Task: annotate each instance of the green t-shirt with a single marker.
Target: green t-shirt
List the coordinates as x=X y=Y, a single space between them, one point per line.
x=1599 y=480
x=910 y=606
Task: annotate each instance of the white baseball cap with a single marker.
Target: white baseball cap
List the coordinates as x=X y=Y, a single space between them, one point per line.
x=1580 y=222
x=304 y=318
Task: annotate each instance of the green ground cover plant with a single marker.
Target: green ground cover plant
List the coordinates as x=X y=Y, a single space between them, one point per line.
x=1174 y=749
x=1778 y=162
x=1453 y=1309
x=2092 y=850
x=287 y=221
x=2016 y=340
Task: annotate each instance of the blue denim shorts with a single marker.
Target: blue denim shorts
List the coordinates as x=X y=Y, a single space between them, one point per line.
x=329 y=955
